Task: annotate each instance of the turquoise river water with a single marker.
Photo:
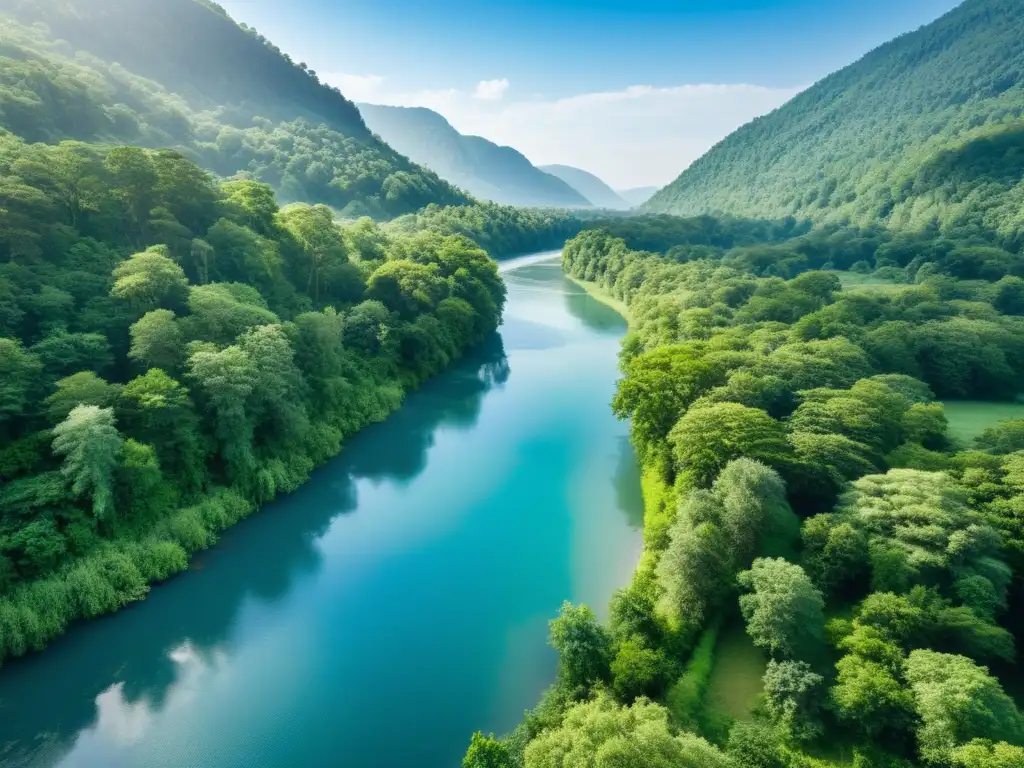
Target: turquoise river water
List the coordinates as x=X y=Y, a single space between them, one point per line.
x=395 y=603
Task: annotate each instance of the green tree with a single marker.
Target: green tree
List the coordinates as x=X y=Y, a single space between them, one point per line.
x=958 y=701
x=793 y=696
x=600 y=733
x=91 y=446
x=19 y=371
x=783 y=609
x=710 y=436
x=486 y=752
x=150 y=279
x=158 y=341
x=85 y=388
x=584 y=649
x=226 y=378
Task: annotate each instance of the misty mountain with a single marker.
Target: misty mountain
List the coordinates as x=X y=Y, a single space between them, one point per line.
x=637 y=195
x=588 y=185
x=183 y=74
x=483 y=168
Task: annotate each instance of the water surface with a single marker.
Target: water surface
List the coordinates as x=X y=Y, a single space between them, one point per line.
x=395 y=603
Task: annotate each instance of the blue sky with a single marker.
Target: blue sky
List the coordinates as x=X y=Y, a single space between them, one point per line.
x=529 y=53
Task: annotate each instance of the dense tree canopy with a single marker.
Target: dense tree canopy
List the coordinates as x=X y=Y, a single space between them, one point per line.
x=172 y=336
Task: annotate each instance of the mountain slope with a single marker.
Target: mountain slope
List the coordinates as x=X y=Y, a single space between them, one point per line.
x=485 y=169
x=927 y=129
x=588 y=185
x=637 y=195
x=105 y=70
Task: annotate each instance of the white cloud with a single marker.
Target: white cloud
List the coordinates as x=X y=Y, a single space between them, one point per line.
x=355 y=87
x=491 y=90
x=640 y=135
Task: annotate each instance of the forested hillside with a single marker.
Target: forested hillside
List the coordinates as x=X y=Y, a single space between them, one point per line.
x=588 y=185
x=174 y=351
x=223 y=95
x=806 y=499
x=485 y=169
x=927 y=130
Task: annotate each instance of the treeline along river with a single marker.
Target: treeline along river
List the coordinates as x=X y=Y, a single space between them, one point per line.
x=395 y=603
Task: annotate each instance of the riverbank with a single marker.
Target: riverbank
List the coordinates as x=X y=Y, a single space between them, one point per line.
x=505 y=483
x=596 y=292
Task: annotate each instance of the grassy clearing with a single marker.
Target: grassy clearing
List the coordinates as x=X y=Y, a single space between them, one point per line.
x=855 y=280
x=685 y=699
x=736 y=676
x=969 y=418
x=603 y=296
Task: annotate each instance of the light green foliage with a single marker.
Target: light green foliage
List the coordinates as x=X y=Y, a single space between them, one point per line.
x=918 y=526
x=91 y=446
x=601 y=733
x=783 y=609
x=227 y=379
x=486 y=752
x=638 y=670
x=150 y=279
x=84 y=388
x=1004 y=437
x=584 y=648
x=979 y=753
x=718 y=532
x=709 y=436
x=868 y=693
x=157 y=341
x=957 y=702
x=694 y=570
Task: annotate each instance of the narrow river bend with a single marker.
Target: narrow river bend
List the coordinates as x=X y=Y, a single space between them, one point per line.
x=395 y=603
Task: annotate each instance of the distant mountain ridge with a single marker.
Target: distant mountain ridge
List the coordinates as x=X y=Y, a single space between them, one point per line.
x=183 y=74
x=637 y=195
x=588 y=185
x=483 y=168
x=926 y=130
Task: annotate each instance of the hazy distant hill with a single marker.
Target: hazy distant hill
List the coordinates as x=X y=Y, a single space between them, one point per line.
x=181 y=73
x=637 y=195
x=483 y=168
x=588 y=185
x=927 y=129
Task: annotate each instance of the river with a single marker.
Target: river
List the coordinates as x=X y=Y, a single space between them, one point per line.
x=395 y=603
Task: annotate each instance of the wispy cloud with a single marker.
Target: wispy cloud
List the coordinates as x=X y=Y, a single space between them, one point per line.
x=631 y=137
x=491 y=90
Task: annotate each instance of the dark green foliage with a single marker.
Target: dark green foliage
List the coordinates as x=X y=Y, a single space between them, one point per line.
x=168 y=369
x=224 y=95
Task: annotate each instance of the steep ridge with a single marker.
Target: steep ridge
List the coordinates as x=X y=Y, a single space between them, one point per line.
x=222 y=94
x=925 y=130
x=588 y=185
x=485 y=169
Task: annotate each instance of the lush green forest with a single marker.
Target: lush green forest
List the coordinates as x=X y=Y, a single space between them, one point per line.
x=925 y=131
x=485 y=169
x=588 y=185
x=222 y=95
x=175 y=351
x=801 y=482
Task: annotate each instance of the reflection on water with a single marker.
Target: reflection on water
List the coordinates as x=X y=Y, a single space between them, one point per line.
x=404 y=589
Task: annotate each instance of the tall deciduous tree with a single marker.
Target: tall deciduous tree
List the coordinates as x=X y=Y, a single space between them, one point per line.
x=91 y=446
